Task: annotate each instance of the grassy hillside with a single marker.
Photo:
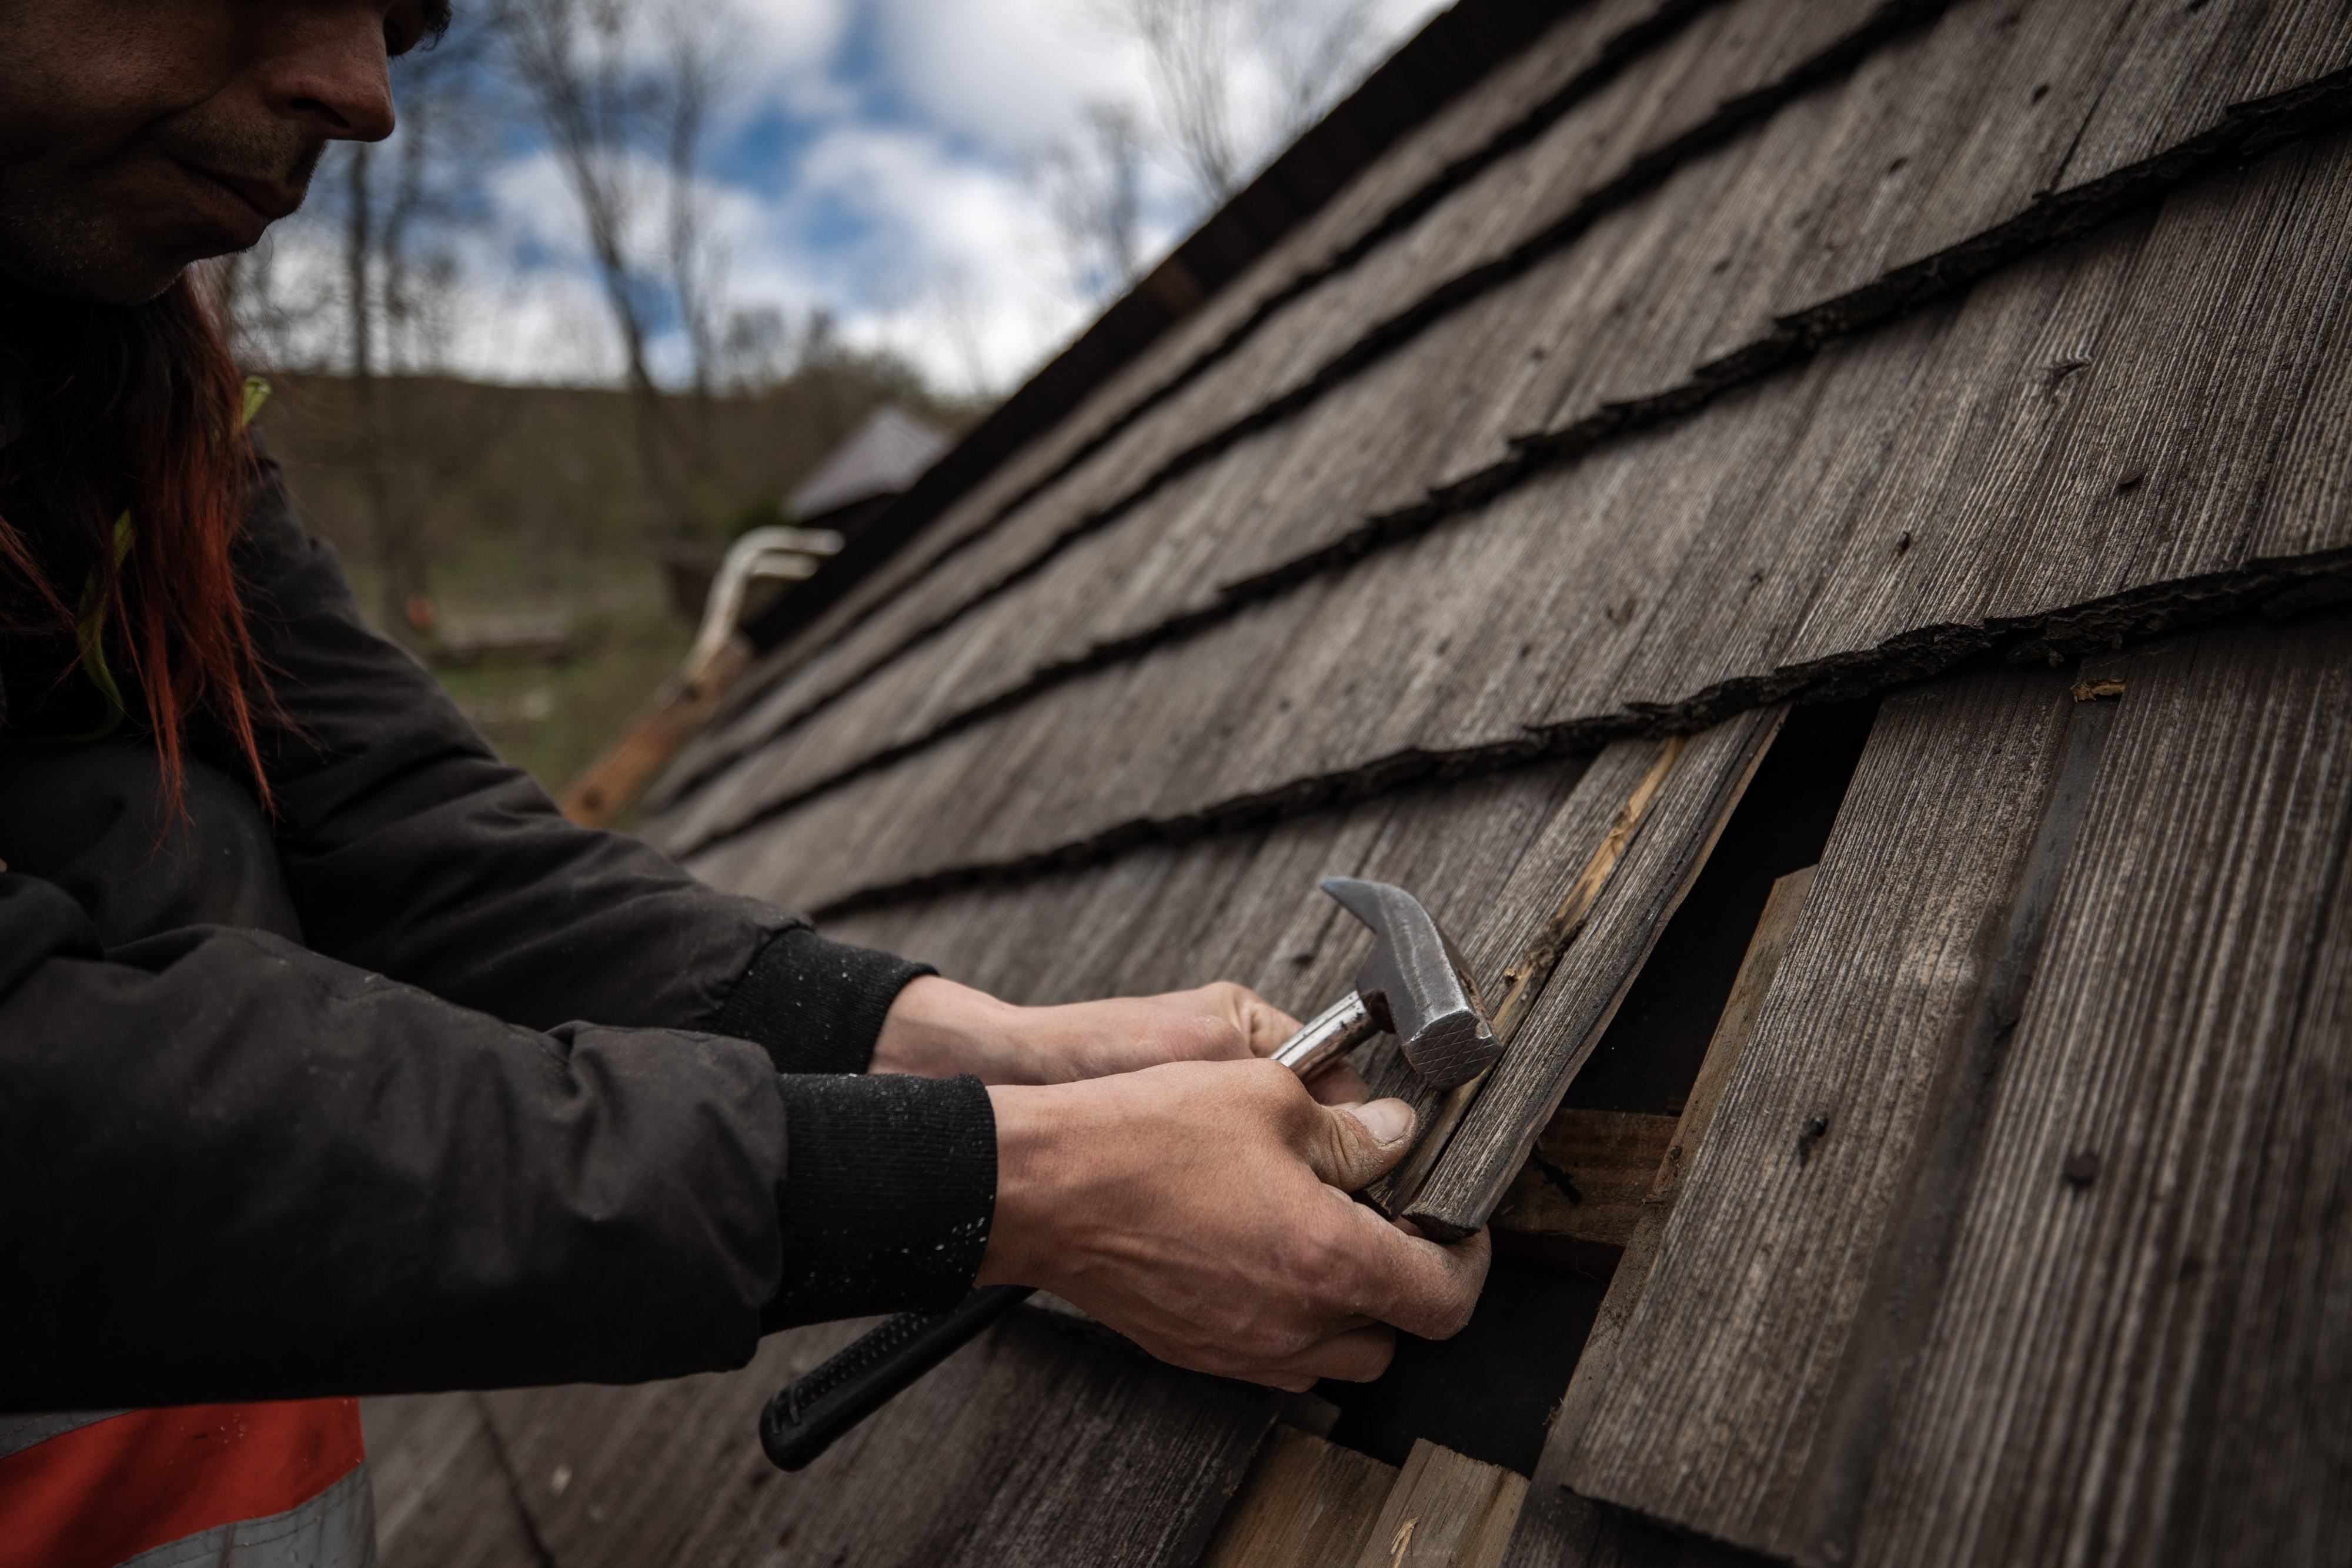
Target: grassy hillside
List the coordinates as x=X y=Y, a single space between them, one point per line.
x=531 y=513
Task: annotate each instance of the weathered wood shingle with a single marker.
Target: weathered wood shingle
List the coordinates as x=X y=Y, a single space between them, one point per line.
x=1712 y=353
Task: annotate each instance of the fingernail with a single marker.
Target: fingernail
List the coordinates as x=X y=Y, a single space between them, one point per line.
x=1385 y=1120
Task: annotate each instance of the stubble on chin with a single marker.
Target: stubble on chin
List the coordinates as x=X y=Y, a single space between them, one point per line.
x=61 y=248
x=70 y=236
x=240 y=146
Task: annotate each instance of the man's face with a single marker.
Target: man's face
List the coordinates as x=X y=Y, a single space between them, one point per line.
x=137 y=136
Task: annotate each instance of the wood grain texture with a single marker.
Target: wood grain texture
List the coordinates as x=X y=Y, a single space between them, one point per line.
x=1519 y=1094
x=1478 y=129
x=2111 y=424
x=1034 y=1444
x=1588 y=1175
x=443 y=1495
x=2057 y=391
x=1557 y=1526
x=1444 y=1510
x=1612 y=302
x=1580 y=852
x=1726 y=1363
x=1306 y=1503
x=2134 y=1357
x=1590 y=159
x=2184 y=71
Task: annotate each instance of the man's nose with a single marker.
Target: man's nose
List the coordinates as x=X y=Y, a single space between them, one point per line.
x=329 y=71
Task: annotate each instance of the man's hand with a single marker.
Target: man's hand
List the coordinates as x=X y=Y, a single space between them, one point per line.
x=1201 y=1208
x=937 y=1028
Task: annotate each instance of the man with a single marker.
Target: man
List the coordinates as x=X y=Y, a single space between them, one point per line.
x=296 y=1102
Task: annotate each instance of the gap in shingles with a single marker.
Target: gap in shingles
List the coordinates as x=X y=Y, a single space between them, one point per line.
x=1489 y=1392
x=1650 y=1055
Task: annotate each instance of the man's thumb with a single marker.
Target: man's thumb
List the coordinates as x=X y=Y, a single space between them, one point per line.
x=1360 y=1143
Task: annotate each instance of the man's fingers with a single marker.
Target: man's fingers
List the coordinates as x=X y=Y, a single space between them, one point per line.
x=1350 y=1146
x=1266 y=1027
x=1339 y=1084
x=1425 y=1289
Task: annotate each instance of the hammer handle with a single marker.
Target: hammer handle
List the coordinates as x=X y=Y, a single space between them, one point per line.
x=805 y=1416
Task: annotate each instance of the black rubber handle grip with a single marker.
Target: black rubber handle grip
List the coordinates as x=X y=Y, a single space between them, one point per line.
x=804 y=1417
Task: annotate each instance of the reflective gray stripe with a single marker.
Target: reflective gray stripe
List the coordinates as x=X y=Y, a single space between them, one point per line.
x=334 y=1529
x=19 y=1432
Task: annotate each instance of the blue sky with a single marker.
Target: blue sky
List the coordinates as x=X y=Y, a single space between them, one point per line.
x=877 y=159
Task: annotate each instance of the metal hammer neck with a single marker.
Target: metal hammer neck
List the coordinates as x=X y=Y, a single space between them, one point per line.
x=1329 y=1036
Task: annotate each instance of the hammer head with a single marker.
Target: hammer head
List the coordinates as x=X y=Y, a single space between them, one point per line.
x=1414 y=975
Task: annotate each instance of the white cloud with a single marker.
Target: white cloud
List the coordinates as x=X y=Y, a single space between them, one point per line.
x=1011 y=74
x=900 y=193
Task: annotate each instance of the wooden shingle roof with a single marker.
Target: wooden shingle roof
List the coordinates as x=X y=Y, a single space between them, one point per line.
x=1907 y=437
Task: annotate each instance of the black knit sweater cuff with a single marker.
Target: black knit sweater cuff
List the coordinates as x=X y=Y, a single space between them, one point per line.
x=889 y=1185
x=815 y=1006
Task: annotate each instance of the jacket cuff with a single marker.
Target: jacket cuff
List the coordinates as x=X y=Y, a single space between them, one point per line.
x=815 y=1006
x=889 y=1186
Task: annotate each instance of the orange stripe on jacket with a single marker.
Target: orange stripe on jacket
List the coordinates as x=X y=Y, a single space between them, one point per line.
x=91 y=1497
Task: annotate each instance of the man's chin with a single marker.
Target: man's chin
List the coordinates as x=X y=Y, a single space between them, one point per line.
x=106 y=274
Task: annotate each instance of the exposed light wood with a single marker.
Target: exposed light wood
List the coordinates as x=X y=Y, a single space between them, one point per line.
x=1519 y=1094
x=1306 y=1503
x=1587 y=1176
x=1444 y=1511
x=1556 y=1526
x=612 y=782
x=1531 y=966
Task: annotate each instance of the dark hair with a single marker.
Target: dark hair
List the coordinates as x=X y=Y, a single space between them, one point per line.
x=135 y=409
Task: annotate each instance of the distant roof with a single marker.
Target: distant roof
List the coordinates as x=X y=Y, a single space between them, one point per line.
x=881 y=457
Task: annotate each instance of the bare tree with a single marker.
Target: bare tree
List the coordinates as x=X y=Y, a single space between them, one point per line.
x=399 y=560
x=1190 y=44
x=697 y=43
x=1197 y=51
x=388 y=231
x=1092 y=188
x=572 y=60
x=1313 y=58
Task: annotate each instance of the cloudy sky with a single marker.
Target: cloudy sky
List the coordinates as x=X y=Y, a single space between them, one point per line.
x=889 y=161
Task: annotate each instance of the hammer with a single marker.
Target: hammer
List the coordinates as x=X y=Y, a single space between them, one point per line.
x=1413 y=984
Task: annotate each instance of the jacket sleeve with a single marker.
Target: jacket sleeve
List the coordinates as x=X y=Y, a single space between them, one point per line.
x=232 y=1168
x=412 y=851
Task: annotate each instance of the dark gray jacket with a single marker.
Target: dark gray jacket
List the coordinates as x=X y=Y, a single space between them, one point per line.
x=480 y=1098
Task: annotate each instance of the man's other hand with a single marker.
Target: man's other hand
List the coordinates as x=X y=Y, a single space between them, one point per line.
x=1202 y=1209
x=937 y=1028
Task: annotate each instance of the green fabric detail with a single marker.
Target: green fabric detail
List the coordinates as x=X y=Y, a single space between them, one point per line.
x=89 y=627
x=90 y=636
x=89 y=633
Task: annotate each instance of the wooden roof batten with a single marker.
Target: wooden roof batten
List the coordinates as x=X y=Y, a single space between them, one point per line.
x=1987 y=358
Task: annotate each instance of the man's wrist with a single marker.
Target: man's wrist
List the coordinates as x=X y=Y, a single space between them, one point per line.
x=1033 y=1124
x=937 y=1028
